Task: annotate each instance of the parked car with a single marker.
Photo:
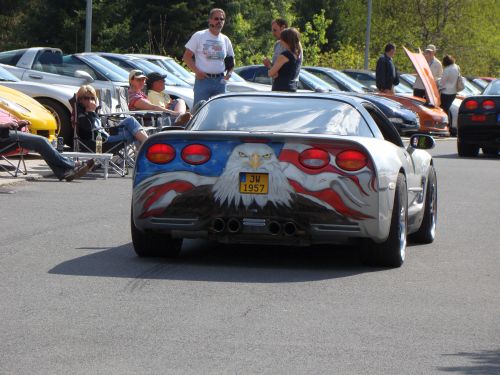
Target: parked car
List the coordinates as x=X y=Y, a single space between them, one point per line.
x=337 y=79
x=285 y=169
x=49 y=66
x=307 y=81
x=169 y=64
x=479 y=122
x=234 y=84
x=433 y=119
x=452 y=122
x=174 y=86
x=26 y=108
x=54 y=98
x=404 y=120
x=367 y=78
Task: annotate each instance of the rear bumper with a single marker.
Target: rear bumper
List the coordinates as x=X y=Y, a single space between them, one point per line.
x=274 y=230
x=485 y=133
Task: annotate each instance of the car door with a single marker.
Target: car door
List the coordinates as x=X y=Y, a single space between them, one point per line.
x=48 y=68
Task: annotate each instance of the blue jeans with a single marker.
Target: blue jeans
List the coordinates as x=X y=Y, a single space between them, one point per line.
x=59 y=164
x=126 y=131
x=204 y=89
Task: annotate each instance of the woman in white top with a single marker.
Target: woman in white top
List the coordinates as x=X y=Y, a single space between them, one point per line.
x=448 y=83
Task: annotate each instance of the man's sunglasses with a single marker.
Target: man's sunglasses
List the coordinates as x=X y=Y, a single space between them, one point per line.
x=219 y=18
x=87 y=98
x=139 y=73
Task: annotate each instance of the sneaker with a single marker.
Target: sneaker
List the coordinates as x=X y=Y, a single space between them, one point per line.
x=182 y=119
x=80 y=171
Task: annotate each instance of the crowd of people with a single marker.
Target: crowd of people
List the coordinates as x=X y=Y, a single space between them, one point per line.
x=210 y=55
x=446 y=75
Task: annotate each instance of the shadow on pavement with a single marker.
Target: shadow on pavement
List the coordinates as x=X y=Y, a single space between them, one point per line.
x=486 y=362
x=206 y=261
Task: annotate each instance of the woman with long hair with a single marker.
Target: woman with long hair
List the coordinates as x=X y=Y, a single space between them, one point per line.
x=287 y=67
x=89 y=121
x=448 y=83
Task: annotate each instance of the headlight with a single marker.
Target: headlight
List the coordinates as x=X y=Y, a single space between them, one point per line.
x=15 y=107
x=396 y=120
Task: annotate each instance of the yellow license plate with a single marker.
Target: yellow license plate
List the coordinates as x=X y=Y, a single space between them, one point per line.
x=254 y=183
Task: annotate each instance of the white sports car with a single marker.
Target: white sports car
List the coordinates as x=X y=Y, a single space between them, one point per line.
x=285 y=169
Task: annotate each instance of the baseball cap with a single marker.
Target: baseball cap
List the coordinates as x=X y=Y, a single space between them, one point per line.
x=155 y=76
x=136 y=73
x=431 y=47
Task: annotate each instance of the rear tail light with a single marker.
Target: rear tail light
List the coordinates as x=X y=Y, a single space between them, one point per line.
x=160 y=153
x=196 y=154
x=351 y=160
x=471 y=105
x=478 y=118
x=314 y=158
x=488 y=104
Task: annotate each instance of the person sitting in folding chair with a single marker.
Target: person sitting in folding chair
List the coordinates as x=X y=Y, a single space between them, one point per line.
x=138 y=100
x=88 y=121
x=64 y=168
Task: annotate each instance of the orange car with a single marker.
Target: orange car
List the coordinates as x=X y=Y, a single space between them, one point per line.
x=433 y=119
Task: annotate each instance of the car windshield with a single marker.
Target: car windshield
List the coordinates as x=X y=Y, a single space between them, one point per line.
x=106 y=68
x=7 y=76
x=277 y=114
x=316 y=83
x=149 y=67
x=351 y=83
x=493 y=88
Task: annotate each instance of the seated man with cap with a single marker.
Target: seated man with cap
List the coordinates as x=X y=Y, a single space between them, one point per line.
x=155 y=83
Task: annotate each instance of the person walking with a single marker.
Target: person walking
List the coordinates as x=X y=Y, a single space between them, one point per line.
x=436 y=70
x=287 y=67
x=448 y=84
x=386 y=74
x=209 y=54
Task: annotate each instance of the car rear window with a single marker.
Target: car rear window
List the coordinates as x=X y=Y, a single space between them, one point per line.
x=309 y=115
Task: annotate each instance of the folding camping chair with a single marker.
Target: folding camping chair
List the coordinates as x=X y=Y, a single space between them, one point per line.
x=151 y=121
x=9 y=147
x=124 y=151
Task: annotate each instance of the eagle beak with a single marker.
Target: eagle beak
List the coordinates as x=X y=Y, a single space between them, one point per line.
x=255 y=161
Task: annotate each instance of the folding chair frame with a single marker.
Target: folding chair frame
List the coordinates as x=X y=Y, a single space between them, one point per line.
x=3 y=155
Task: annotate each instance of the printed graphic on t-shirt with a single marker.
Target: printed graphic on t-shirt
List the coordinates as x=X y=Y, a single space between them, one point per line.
x=213 y=50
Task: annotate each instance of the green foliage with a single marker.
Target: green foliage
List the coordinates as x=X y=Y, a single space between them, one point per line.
x=333 y=32
x=314 y=37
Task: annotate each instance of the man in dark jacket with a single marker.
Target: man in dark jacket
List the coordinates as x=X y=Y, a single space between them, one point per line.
x=386 y=73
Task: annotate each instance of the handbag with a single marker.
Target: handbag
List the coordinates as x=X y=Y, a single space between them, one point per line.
x=460 y=81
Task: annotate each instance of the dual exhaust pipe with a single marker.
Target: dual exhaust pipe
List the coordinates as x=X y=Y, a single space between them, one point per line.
x=233 y=225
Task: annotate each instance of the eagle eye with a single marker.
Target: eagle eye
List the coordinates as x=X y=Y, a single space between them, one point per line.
x=242 y=154
x=266 y=156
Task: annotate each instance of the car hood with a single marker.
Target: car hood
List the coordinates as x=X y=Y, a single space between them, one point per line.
x=424 y=72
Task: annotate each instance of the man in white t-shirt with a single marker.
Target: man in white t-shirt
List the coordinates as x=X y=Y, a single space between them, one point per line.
x=209 y=54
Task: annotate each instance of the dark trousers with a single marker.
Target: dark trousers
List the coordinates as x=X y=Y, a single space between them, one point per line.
x=446 y=102
x=419 y=92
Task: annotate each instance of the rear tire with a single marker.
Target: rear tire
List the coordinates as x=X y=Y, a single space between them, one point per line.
x=466 y=150
x=63 y=119
x=392 y=252
x=427 y=231
x=153 y=244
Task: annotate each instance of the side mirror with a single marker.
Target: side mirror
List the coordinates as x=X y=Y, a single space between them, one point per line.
x=84 y=75
x=422 y=141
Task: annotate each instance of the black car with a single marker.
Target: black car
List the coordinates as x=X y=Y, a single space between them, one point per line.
x=479 y=122
x=404 y=120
